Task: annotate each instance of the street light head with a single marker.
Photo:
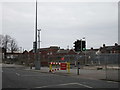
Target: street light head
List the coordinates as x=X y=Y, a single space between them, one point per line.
x=39 y=29
x=83 y=38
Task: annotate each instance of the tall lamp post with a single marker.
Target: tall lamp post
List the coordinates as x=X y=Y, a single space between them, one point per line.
x=39 y=46
x=37 y=63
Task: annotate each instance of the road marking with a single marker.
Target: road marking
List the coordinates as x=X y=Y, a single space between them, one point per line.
x=84 y=85
x=112 y=82
x=17 y=74
x=66 y=84
x=30 y=75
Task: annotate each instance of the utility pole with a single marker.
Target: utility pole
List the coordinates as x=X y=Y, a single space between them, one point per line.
x=37 y=63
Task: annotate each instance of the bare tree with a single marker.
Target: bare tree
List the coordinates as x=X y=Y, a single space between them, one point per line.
x=13 y=45
x=7 y=43
x=1 y=41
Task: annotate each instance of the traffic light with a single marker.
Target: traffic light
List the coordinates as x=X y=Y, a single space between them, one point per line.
x=80 y=45
x=77 y=45
x=83 y=45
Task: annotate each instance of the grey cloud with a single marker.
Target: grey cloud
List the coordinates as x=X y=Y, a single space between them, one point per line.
x=62 y=23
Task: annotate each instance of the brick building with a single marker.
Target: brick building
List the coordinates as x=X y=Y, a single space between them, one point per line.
x=110 y=49
x=54 y=53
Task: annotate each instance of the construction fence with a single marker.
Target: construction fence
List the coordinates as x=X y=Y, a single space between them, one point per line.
x=107 y=62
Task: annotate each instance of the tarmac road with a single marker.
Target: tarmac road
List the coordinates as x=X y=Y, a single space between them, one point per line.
x=17 y=77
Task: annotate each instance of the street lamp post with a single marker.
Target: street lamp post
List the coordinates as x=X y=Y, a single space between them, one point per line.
x=39 y=46
x=39 y=38
x=37 y=63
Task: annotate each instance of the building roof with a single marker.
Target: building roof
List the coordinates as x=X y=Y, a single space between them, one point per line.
x=62 y=51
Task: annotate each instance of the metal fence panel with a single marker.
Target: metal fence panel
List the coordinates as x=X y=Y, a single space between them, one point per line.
x=109 y=62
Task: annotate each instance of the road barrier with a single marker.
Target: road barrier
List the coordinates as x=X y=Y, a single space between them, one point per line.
x=55 y=66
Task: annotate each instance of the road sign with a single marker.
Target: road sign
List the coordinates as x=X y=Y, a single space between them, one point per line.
x=63 y=66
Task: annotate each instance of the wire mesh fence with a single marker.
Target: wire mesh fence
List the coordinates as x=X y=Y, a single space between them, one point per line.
x=108 y=62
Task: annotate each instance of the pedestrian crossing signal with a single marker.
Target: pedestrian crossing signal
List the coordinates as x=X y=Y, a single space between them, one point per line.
x=62 y=58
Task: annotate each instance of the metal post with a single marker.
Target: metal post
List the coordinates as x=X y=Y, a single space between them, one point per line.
x=78 y=64
x=36 y=29
x=37 y=64
x=39 y=38
x=85 y=52
x=39 y=46
x=106 y=67
x=85 y=58
x=78 y=68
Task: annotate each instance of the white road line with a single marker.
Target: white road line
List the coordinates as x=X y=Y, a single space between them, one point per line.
x=17 y=74
x=84 y=85
x=66 y=84
x=112 y=82
x=30 y=75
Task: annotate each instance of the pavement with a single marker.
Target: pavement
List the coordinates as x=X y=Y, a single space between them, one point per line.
x=83 y=73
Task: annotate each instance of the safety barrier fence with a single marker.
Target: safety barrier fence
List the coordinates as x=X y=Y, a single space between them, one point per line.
x=56 y=66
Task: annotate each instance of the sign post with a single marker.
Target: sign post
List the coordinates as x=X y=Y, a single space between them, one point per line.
x=50 y=67
x=68 y=67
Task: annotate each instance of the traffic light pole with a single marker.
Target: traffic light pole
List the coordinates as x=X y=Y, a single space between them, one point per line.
x=79 y=45
x=78 y=64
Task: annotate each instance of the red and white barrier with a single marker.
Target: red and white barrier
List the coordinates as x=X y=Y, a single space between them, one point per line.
x=54 y=63
x=62 y=66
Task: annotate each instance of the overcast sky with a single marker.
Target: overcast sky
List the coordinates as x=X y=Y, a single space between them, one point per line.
x=61 y=23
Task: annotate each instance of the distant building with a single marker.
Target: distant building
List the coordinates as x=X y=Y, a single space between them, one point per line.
x=110 y=49
x=54 y=53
